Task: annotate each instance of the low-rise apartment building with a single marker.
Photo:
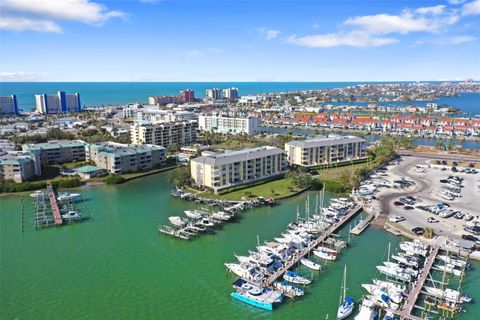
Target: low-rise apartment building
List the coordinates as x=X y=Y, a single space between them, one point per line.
x=322 y=151
x=229 y=169
x=228 y=124
x=60 y=151
x=18 y=166
x=164 y=134
x=118 y=158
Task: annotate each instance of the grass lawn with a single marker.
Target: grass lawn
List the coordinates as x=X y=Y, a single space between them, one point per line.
x=281 y=187
x=129 y=176
x=335 y=173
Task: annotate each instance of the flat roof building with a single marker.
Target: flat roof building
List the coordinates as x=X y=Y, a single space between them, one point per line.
x=228 y=124
x=233 y=168
x=57 y=151
x=118 y=158
x=58 y=103
x=9 y=105
x=18 y=166
x=164 y=134
x=322 y=151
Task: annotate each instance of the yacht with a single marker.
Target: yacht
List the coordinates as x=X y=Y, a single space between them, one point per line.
x=394 y=295
x=223 y=216
x=327 y=250
x=406 y=269
x=325 y=255
x=347 y=304
x=38 y=194
x=407 y=260
x=72 y=215
x=246 y=270
x=255 y=295
x=295 y=277
x=448 y=294
x=396 y=273
x=367 y=310
x=194 y=214
x=288 y=289
x=178 y=221
x=390 y=285
x=453 y=261
x=310 y=264
x=450 y=268
x=66 y=196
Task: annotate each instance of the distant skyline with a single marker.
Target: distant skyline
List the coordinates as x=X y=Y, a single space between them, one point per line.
x=228 y=41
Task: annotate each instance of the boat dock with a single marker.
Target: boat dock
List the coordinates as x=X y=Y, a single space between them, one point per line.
x=268 y=281
x=54 y=204
x=362 y=225
x=406 y=311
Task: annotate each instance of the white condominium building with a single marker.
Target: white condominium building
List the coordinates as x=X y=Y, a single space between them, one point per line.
x=58 y=103
x=321 y=151
x=227 y=124
x=229 y=169
x=164 y=134
x=8 y=105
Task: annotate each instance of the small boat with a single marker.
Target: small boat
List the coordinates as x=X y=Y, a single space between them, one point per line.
x=325 y=255
x=72 y=215
x=310 y=264
x=223 y=216
x=450 y=268
x=347 y=304
x=327 y=249
x=178 y=221
x=254 y=295
x=194 y=214
x=367 y=310
x=288 y=289
x=456 y=262
x=38 y=194
x=295 y=277
x=66 y=196
x=390 y=316
x=396 y=273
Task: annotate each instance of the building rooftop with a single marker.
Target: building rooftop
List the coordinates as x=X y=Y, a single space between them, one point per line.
x=110 y=149
x=53 y=144
x=88 y=169
x=240 y=155
x=322 y=141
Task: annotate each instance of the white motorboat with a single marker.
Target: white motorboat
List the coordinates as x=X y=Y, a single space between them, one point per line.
x=407 y=260
x=245 y=270
x=448 y=294
x=287 y=288
x=450 y=268
x=396 y=273
x=390 y=285
x=456 y=262
x=347 y=303
x=295 y=277
x=310 y=264
x=194 y=214
x=38 y=194
x=72 y=215
x=327 y=249
x=220 y=215
x=325 y=255
x=66 y=196
x=367 y=310
x=389 y=315
x=406 y=269
x=376 y=291
x=178 y=221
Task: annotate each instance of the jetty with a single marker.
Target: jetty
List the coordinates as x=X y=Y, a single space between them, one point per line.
x=54 y=204
x=362 y=225
x=296 y=258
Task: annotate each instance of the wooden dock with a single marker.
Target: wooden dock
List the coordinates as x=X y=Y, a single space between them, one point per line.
x=362 y=225
x=296 y=258
x=406 y=311
x=53 y=203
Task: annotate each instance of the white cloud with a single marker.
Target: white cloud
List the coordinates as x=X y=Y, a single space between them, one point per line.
x=23 y=24
x=377 y=30
x=456 y=1
x=460 y=40
x=269 y=34
x=354 y=39
x=43 y=15
x=192 y=54
x=22 y=76
x=471 y=8
x=149 y=1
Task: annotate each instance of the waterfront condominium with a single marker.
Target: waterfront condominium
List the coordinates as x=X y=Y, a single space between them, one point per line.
x=228 y=124
x=60 y=151
x=8 y=105
x=322 y=151
x=118 y=158
x=58 y=103
x=164 y=134
x=229 y=169
x=18 y=166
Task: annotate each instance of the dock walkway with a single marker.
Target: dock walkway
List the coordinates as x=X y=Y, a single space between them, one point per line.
x=53 y=203
x=268 y=281
x=362 y=225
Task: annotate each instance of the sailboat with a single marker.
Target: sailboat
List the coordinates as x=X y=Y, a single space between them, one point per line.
x=347 y=304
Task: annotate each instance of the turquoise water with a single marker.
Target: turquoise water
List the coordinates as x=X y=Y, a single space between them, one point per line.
x=104 y=93
x=119 y=267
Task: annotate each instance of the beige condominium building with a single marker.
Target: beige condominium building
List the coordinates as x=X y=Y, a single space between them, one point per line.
x=229 y=169
x=18 y=166
x=60 y=151
x=164 y=134
x=118 y=158
x=228 y=124
x=321 y=151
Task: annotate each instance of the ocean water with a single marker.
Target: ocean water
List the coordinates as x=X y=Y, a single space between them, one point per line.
x=108 y=93
x=119 y=267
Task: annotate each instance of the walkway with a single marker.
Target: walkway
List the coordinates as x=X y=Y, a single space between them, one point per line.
x=53 y=203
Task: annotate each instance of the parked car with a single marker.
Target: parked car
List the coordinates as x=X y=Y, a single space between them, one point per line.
x=469 y=237
x=399 y=203
x=396 y=219
x=473 y=229
x=408 y=207
x=432 y=220
x=418 y=231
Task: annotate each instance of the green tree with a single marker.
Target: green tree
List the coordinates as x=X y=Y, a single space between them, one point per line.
x=181 y=177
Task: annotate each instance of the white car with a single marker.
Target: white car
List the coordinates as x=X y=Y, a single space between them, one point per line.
x=396 y=219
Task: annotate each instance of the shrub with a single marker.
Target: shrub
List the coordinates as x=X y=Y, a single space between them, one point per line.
x=67 y=183
x=114 y=179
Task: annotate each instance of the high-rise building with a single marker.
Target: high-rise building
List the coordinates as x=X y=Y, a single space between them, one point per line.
x=230 y=93
x=164 y=134
x=187 y=95
x=8 y=105
x=214 y=94
x=58 y=103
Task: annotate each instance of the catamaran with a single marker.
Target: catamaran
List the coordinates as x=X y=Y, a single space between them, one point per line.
x=310 y=264
x=255 y=295
x=295 y=277
x=347 y=304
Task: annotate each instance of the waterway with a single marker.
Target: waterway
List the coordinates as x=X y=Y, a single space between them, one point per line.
x=119 y=267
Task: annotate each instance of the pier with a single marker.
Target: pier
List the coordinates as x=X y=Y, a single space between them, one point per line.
x=406 y=311
x=362 y=225
x=54 y=204
x=268 y=281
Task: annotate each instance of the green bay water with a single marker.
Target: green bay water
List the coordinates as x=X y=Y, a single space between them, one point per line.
x=119 y=267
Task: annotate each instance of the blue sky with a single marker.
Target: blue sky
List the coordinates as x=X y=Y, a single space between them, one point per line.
x=148 y=40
